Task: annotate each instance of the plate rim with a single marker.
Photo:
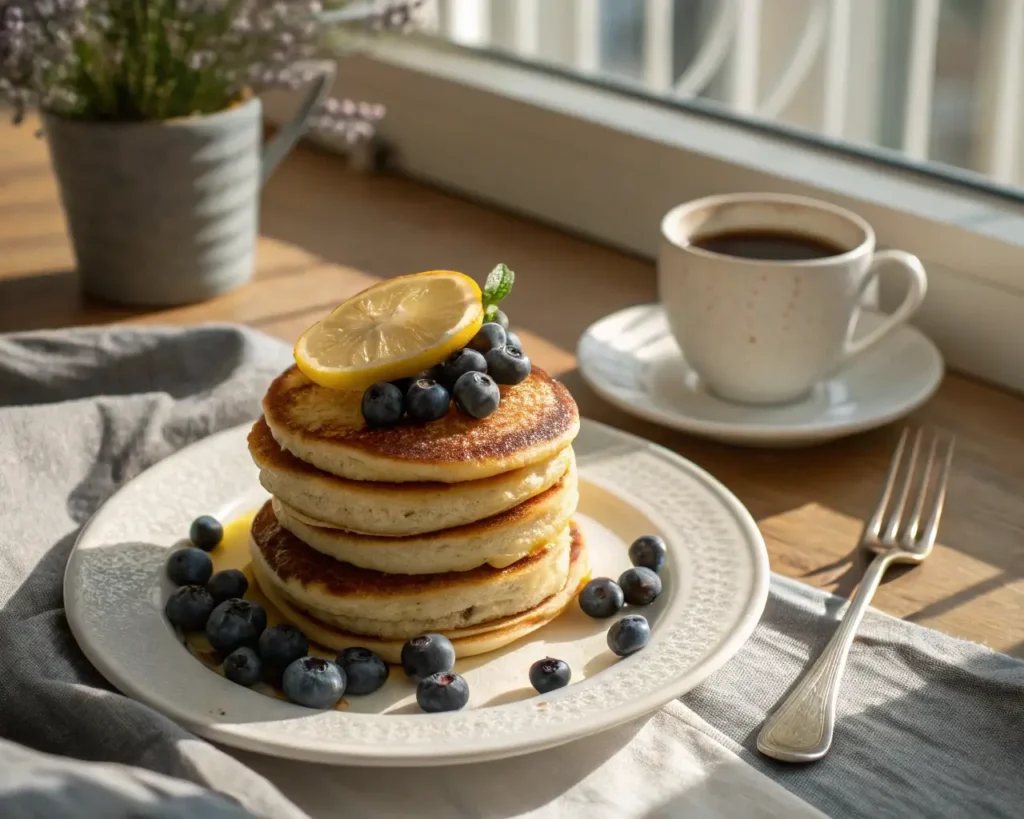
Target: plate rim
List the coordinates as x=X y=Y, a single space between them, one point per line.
x=739 y=433
x=228 y=733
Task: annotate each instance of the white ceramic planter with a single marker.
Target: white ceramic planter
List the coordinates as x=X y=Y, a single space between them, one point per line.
x=164 y=213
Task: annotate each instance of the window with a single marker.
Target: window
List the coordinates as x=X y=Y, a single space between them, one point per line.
x=936 y=80
x=599 y=115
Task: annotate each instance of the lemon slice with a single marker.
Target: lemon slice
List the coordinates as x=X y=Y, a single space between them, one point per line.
x=394 y=329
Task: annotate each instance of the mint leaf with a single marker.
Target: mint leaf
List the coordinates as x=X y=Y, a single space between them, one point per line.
x=491 y=312
x=499 y=283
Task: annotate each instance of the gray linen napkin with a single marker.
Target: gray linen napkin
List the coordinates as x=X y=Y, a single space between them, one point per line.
x=81 y=413
x=929 y=726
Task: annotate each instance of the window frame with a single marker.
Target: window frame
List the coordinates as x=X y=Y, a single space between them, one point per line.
x=607 y=162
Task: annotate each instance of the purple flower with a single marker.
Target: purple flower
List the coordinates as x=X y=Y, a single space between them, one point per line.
x=83 y=58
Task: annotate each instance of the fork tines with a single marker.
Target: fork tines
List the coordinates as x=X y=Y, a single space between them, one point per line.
x=917 y=478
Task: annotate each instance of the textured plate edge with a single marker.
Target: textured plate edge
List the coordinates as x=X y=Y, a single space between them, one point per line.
x=311 y=751
x=747 y=434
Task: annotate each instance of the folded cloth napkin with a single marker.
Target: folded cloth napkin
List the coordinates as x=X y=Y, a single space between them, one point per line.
x=82 y=412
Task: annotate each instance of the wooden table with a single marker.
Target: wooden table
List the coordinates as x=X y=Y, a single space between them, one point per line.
x=328 y=232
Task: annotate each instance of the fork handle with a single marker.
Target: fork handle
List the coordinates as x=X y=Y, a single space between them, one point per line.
x=801 y=728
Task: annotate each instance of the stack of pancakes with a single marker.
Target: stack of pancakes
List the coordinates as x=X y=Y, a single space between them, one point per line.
x=461 y=527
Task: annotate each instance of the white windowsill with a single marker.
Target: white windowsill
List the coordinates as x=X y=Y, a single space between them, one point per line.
x=607 y=165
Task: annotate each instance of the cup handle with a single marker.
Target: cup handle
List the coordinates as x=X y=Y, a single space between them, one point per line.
x=918 y=280
x=279 y=147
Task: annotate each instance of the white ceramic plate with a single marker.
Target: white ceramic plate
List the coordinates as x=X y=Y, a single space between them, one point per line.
x=716 y=583
x=631 y=359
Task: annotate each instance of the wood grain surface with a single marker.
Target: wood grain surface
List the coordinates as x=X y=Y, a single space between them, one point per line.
x=327 y=232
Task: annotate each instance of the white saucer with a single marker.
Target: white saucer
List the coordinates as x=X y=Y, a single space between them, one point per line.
x=631 y=359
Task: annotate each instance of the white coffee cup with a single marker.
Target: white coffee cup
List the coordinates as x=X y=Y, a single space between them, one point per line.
x=765 y=331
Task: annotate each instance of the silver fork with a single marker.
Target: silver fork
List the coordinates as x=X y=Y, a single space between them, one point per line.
x=801 y=728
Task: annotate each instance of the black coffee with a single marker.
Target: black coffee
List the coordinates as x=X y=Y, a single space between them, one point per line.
x=768 y=245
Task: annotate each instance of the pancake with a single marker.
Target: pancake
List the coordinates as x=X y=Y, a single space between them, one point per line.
x=468 y=642
x=394 y=509
x=536 y=420
x=393 y=606
x=497 y=541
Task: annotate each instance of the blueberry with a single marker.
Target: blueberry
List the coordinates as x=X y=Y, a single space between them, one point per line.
x=601 y=597
x=426 y=655
x=508 y=365
x=227 y=584
x=189 y=566
x=206 y=532
x=549 y=674
x=243 y=666
x=512 y=340
x=501 y=318
x=476 y=395
x=313 y=682
x=426 y=401
x=366 y=672
x=235 y=623
x=280 y=646
x=382 y=405
x=628 y=635
x=444 y=691
x=640 y=586
x=488 y=337
x=458 y=364
x=189 y=607
x=648 y=551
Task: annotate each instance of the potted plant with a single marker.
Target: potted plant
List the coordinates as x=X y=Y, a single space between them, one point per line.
x=152 y=114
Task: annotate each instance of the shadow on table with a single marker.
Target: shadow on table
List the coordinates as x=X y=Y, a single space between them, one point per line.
x=39 y=301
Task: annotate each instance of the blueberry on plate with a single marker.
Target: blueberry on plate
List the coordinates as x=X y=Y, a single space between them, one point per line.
x=458 y=364
x=426 y=401
x=444 y=691
x=382 y=405
x=280 y=646
x=601 y=597
x=648 y=551
x=189 y=607
x=206 y=532
x=476 y=395
x=549 y=674
x=189 y=566
x=243 y=666
x=629 y=635
x=235 y=623
x=366 y=672
x=640 y=586
x=227 y=584
x=488 y=337
x=313 y=682
x=512 y=340
x=508 y=365
x=427 y=654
